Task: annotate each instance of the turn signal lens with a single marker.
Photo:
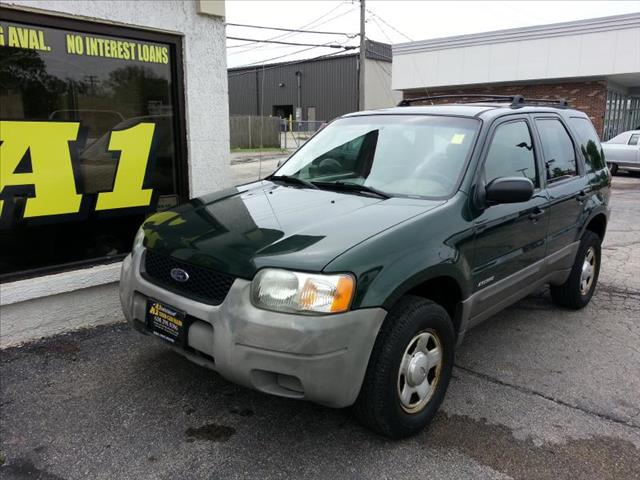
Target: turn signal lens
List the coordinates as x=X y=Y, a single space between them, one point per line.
x=287 y=291
x=344 y=293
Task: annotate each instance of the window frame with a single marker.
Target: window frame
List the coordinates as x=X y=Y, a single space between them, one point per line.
x=578 y=157
x=488 y=141
x=635 y=136
x=174 y=42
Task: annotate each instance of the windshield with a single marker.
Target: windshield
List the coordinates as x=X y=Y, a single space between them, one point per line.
x=400 y=155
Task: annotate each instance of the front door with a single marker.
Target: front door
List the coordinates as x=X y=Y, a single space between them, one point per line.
x=509 y=238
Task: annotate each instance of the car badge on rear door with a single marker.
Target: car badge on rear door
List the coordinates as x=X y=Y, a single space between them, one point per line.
x=179 y=275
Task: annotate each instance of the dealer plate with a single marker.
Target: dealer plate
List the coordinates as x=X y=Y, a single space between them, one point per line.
x=165 y=321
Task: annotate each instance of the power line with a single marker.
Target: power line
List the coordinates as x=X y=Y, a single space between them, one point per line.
x=286 y=35
x=413 y=59
x=313 y=24
x=373 y=19
x=290 y=34
x=331 y=44
x=381 y=64
x=389 y=25
x=383 y=80
x=262 y=62
x=328 y=44
x=350 y=35
x=283 y=64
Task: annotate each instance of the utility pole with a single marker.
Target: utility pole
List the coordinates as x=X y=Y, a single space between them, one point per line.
x=363 y=49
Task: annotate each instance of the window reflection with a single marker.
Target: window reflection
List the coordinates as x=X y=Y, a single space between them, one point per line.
x=104 y=93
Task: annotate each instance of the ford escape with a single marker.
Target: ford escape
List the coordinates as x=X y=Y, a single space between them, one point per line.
x=349 y=275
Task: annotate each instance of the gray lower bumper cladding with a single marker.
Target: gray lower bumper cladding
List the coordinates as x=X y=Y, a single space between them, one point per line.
x=318 y=358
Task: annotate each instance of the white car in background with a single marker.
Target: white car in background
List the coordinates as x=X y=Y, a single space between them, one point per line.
x=623 y=151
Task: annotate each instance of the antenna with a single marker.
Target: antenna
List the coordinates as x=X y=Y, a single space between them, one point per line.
x=261 y=112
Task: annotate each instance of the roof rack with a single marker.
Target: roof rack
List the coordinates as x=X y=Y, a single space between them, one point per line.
x=516 y=101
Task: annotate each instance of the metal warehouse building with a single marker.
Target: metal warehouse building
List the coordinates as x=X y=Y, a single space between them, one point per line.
x=594 y=64
x=317 y=90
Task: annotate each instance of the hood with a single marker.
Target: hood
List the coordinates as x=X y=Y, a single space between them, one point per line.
x=240 y=230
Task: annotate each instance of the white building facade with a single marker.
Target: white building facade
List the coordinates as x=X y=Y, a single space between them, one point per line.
x=594 y=63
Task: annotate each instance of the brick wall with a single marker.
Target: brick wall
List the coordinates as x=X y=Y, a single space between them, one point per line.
x=590 y=97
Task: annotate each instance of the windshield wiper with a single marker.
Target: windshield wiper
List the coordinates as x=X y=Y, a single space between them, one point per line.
x=353 y=187
x=290 y=179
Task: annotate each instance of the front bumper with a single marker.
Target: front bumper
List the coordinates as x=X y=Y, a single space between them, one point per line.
x=318 y=358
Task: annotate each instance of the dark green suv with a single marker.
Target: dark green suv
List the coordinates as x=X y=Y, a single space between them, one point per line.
x=349 y=275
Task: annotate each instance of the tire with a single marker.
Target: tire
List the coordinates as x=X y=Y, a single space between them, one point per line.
x=613 y=168
x=414 y=328
x=575 y=293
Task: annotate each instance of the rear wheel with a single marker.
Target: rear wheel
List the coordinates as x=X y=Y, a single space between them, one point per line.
x=613 y=168
x=409 y=369
x=577 y=291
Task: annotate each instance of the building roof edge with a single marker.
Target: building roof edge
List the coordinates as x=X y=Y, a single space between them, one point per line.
x=591 y=25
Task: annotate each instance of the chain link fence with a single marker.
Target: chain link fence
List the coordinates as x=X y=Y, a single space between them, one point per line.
x=294 y=133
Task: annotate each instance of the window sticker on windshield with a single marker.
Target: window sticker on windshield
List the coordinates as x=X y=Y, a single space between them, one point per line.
x=457 y=138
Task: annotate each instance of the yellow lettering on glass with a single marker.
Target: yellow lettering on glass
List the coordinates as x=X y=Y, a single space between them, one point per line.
x=51 y=171
x=134 y=144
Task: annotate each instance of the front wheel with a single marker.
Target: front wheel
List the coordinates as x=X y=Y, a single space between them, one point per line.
x=577 y=291
x=409 y=369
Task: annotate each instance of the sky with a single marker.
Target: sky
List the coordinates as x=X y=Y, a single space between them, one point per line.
x=390 y=21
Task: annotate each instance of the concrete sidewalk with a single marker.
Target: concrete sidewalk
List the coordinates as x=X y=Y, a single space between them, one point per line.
x=251 y=166
x=251 y=157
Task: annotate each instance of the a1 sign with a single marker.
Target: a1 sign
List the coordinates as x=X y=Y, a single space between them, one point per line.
x=50 y=181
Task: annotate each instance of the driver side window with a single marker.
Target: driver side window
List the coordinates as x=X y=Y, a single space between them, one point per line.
x=511 y=153
x=343 y=158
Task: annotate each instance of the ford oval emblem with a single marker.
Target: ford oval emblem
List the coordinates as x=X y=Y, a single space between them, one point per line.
x=179 y=275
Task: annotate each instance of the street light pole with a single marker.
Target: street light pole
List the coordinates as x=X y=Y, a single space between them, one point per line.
x=363 y=49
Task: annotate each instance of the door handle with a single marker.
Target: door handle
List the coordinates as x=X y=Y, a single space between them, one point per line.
x=581 y=196
x=536 y=214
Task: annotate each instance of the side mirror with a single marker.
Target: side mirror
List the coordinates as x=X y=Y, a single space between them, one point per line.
x=508 y=190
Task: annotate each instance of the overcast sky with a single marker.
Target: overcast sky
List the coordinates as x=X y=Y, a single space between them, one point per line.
x=405 y=20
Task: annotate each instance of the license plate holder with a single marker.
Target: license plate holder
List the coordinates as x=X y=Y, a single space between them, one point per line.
x=166 y=322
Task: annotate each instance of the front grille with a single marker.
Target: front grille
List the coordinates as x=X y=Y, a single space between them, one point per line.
x=203 y=285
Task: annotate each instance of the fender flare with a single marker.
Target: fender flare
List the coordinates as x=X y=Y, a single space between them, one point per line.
x=602 y=210
x=442 y=270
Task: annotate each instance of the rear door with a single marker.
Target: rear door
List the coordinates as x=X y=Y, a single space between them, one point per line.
x=509 y=238
x=567 y=183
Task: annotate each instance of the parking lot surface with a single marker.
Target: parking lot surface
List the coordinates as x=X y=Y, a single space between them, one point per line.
x=538 y=392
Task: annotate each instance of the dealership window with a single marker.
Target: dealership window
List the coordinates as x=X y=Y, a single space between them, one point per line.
x=91 y=139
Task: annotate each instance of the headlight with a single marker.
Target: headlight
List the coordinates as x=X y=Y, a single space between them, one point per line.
x=287 y=291
x=138 y=240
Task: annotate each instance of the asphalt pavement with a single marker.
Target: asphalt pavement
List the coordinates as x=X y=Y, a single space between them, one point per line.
x=538 y=393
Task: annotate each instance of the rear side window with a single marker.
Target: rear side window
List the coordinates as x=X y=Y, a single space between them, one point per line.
x=559 y=154
x=589 y=143
x=634 y=139
x=511 y=153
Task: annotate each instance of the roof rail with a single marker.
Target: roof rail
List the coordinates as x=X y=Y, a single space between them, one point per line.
x=516 y=101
